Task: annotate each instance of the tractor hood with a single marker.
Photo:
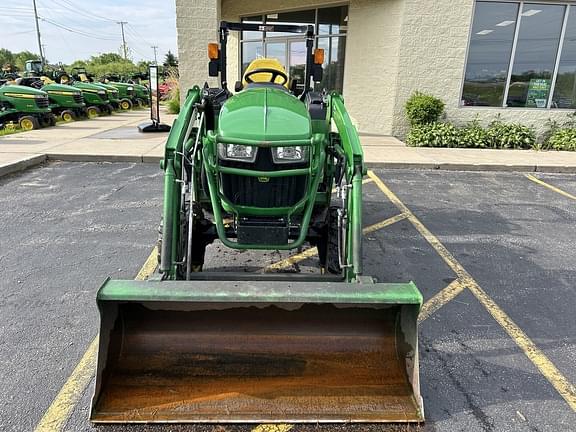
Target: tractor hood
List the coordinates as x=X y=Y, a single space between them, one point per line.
x=93 y=88
x=264 y=114
x=60 y=88
x=15 y=90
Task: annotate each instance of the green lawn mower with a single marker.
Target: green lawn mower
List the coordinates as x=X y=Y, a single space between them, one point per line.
x=29 y=108
x=256 y=170
x=66 y=102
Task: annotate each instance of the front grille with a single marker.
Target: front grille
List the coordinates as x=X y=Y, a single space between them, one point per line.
x=130 y=93
x=275 y=192
x=42 y=102
x=78 y=98
x=103 y=97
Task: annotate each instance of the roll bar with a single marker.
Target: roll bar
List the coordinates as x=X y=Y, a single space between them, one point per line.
x=226 y=27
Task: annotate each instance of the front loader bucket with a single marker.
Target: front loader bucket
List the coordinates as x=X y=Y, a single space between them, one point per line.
x=265 y=351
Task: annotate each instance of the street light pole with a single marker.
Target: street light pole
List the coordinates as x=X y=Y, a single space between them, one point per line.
x=155 y=47
x=38 y=34
x=124 y=48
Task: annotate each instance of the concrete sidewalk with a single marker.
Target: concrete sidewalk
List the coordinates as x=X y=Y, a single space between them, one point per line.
x=116 y=139
x=111 y=138
x=389 y=152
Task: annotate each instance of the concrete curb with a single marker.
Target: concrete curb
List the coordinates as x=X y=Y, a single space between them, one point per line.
x=36 y=160
x=473 y=167
x=22 y=165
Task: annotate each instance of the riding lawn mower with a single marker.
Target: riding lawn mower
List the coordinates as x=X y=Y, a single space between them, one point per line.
x=267 y=168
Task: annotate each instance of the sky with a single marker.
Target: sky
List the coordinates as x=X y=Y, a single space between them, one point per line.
x=150 y=22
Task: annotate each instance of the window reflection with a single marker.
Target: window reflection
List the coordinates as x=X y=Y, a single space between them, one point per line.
x=565 y=90
x=334 y=49
x=535 y=55
x=489 y=53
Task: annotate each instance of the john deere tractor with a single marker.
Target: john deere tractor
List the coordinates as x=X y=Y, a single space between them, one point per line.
x=27 y=107
x=66 y=102
x=95 y=96
x=261 y=169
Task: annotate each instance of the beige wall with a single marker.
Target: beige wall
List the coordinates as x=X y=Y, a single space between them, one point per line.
x=394 y=47
x=197 y=24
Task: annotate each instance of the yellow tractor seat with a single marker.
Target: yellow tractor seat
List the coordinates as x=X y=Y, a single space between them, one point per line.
x=265 y=77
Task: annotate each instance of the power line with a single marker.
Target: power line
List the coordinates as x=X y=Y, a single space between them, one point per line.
x=80 y=32
x=78 y=9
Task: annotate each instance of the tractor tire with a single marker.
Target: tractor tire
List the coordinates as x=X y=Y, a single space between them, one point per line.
x=29 y=123
x=332 y=254
x=92 y=112
x=125 y=104
x=52 y=120
x=67 y=116
x=109 y=109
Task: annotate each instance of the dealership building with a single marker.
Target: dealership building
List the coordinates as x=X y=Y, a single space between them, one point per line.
x=512 y=59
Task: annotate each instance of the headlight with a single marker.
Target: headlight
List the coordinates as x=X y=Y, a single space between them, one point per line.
x=130 y=88
x=101 y=92
x=237 y=152
x=289 y=154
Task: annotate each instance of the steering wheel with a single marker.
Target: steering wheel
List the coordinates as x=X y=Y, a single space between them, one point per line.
x=274 y=74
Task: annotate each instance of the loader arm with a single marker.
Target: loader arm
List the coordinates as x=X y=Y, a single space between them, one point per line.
x=355 y=170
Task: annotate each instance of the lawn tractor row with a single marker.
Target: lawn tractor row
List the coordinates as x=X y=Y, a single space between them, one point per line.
x=39 y=97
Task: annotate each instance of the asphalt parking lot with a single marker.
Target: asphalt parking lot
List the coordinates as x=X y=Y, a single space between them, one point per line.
x=492 y=253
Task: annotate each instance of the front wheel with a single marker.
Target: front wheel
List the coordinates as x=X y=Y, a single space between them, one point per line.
x=67 y=116
x=328 y=247
x=29 y=123
x=125 y=104
x=92 y=112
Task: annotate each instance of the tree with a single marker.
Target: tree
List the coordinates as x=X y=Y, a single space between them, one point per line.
x=6 y=57
x=170 y=60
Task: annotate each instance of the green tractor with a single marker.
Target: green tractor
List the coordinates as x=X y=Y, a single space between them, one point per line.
x=95 y=97
x=27 y=107
x=66 y=102
x=256 y=170
x=132 y=94
x=126 y=93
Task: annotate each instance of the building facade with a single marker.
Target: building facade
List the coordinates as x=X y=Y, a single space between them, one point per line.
x=510 y=59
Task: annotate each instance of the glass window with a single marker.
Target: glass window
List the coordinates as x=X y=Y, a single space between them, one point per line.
x=247 y=35
x=535 y=56
x=565 y=90
x=251 y=51
x=333 y=77
x=489 y=53
x=333 y=20
x=290 y=18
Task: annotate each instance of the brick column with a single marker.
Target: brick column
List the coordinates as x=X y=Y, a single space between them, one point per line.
x=197 y=25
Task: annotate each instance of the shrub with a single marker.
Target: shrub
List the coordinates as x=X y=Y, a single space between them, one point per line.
x=473 y=136
x=423 y=109
x=510 y=135
x=174 y=95
x=433 y=135
x=563 y=139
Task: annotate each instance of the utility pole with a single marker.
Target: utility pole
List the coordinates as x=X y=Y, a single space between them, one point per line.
x=44 y=51
x=38 y=33
x=155 y=47
x=124 y=47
